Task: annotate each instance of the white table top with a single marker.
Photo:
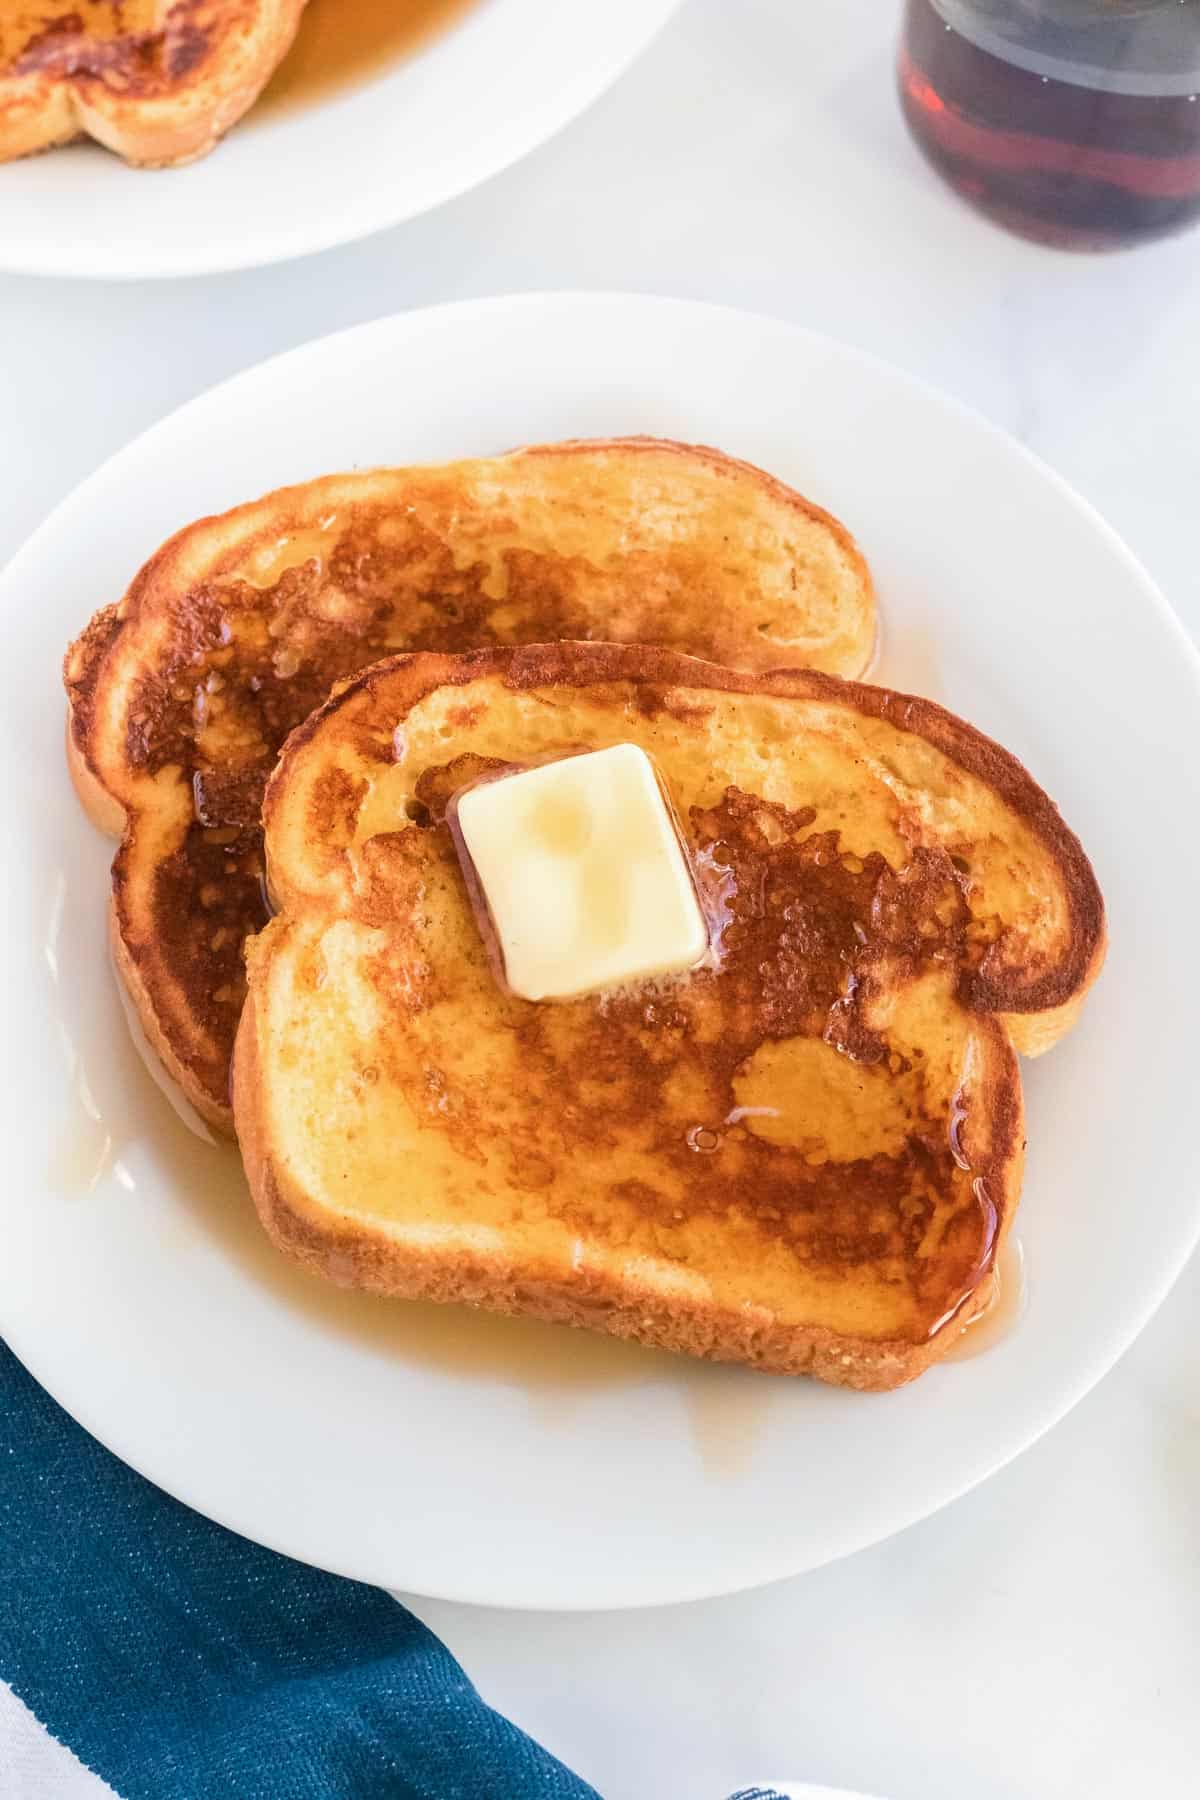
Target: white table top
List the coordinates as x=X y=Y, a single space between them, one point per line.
x=1038 y=1638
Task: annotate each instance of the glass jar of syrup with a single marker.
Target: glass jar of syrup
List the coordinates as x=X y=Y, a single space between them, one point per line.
x=1074 y=122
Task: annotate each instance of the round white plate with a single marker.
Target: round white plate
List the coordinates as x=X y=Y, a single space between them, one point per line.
x=791 y=1792
x=506 y=1462
x=500 y=81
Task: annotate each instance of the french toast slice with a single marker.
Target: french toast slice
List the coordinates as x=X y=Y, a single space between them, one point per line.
x=804 y=1154
x=158 y=81
x=239 y=625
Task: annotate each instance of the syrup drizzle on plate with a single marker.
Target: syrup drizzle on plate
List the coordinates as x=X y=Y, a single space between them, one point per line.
x=343 y=43
x=118 y=1124
x=1001 y=1312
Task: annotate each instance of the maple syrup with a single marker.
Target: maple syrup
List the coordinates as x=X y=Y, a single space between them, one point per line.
x=1002 y=1312
x=344 y=43
x=123 y=1102
x=1073 y=122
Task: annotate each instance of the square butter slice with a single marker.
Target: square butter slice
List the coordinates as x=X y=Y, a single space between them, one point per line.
x=583 y=873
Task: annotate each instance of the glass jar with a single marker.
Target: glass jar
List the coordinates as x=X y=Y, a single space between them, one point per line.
x=1075 y=122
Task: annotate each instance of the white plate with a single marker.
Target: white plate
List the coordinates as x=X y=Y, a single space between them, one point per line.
x=789 y=1791
x=501 y=81
x=511 y=1463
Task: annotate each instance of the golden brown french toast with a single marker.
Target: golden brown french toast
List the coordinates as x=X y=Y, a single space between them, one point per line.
x=239 y=625
x=803 y=1154
x=158 y=81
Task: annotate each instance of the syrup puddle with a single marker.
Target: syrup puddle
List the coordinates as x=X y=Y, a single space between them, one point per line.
x=1003 y=1312
x=729 y=1409
x=341 y=44
x=116 y=1113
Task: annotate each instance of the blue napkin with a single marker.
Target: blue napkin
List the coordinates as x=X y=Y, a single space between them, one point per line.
x=181 y=1662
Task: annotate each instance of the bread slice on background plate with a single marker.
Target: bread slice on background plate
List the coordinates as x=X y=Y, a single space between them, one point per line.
x=158 y=81
x=804 y=1154
x=182 y=694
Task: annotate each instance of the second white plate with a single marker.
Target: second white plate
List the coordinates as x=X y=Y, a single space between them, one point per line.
x=500 y=81
x=504 y=1462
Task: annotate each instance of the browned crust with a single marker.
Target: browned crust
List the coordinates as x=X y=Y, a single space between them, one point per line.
x=107 y=814
x=100 y=646
x=101 y=636
x=210 y=63
x=81 y=665
x=360 y=1254
x=102 y=633
x=357 y=1256
x=79 y=674
x=130 y=972
x=412 y=676
x=201 y=1074
x=723 y=464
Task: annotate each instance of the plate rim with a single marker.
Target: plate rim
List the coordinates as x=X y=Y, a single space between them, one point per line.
x=751 y=1573
x=30 y=256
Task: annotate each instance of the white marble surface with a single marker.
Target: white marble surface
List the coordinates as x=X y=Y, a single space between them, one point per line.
x=1042 y=1636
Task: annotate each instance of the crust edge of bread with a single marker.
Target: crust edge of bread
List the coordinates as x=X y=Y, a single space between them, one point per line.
x=626 y=1307
x=1041 y=1015
x=371 y=1257
x=43 y=109
x=160 y=573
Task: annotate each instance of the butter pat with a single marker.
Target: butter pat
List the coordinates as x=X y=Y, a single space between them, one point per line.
x=583 y=873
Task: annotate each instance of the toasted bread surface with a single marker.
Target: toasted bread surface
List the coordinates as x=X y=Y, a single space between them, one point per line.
x=158 y=81
x=804 y=1155
x=182 y=695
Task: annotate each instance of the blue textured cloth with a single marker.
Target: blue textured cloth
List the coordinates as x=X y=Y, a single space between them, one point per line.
x=181 y=1662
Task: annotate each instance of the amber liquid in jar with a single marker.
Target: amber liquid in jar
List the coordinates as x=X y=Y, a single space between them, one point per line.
x=1074 y=122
